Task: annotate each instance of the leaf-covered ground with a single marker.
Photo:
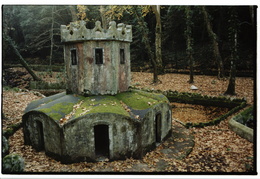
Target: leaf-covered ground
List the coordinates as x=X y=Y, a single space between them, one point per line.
x=217 y=149
x=207 y=85
x=196 y=113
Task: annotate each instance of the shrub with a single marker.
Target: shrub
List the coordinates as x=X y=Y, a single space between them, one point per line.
x=13 y=163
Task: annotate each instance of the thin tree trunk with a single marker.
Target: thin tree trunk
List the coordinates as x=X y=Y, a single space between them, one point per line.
x=22 y=61
x=51 y=36
x=232 y=79
x=213 y=37
x=234 y=54
x=73 y=13
x=188 y=34
x=103 y=17
x=158 y=38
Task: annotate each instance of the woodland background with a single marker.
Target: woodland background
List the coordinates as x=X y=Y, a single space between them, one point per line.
x=205 y=34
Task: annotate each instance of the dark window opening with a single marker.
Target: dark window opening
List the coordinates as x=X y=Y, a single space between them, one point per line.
x=40 y=136
x=101 y=141
x=122 y=56
x=99 y=56
x=158 y=127
x=73 y=56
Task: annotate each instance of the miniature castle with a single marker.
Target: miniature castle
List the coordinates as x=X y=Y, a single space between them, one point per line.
x=97 y=60
x=98 y=117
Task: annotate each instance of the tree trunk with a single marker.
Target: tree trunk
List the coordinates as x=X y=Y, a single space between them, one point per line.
x=188 y=34
x=144 y=30
x=22 y=61
x=73 y=13
x=104 y=20
x=232 y=79
x=213 y=37
x=234 y=53
x=51 y=36
x=158 y=38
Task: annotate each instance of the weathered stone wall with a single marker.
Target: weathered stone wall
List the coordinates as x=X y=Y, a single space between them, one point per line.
x=75 y=140
x=148 y=127
x=48 y=139
x=110 y=77
x=79 y=141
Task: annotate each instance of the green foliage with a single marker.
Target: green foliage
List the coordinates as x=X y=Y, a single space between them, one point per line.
x=82 y=12
x=8 y=88
x=11 y=129
x=245 y=116
x=5 y=146
x=13 y=163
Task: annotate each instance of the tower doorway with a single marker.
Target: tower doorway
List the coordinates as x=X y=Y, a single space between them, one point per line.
x=40 y=136
x=158 y=127
x=101 y=134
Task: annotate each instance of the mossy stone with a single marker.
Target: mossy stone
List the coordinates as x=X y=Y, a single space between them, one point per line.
x=77 y=106
x=100 y=104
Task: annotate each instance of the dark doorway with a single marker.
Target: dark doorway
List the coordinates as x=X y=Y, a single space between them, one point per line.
x=40 y=136
x=101 y=141
x=158 y=127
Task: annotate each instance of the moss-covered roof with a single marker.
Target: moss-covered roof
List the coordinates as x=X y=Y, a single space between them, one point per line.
x=68 y=107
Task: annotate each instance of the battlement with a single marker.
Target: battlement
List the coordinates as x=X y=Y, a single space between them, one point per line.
x=78 y=32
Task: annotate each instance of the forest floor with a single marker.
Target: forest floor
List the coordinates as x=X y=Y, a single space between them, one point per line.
x=216 y=149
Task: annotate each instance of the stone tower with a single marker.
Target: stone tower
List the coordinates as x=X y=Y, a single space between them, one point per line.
x=97 y=60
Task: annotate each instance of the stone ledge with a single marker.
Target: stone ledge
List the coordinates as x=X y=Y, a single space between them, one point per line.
x=241 y=130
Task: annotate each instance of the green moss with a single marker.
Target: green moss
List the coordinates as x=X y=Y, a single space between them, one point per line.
x=58 y=110
x=139 y=100
x=119 y=104
x=56 y=116
x=101 y=104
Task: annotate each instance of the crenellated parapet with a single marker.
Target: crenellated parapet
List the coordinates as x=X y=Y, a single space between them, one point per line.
x=78 y=32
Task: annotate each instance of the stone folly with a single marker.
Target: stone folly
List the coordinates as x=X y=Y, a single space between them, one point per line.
x=99 y=117
x=97 y=60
